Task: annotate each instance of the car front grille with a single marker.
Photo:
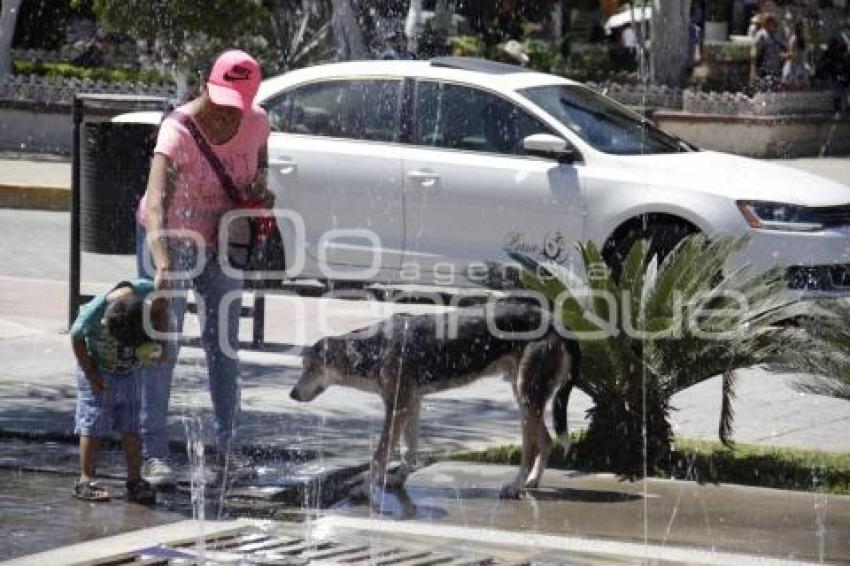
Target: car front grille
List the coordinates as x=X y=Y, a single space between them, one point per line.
x=819 y=277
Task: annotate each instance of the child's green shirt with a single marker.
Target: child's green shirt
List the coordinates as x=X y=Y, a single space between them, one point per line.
x=106 y=353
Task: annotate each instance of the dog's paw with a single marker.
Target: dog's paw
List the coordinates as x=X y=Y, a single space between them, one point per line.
x=510 y=491
x=360 y=487
x=531 y=483
x=394 y=480
x=397 y=477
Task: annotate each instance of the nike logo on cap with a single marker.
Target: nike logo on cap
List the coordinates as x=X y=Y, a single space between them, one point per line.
x=238 y=73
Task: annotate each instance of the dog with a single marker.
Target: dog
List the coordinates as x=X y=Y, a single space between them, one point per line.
x=406 y=357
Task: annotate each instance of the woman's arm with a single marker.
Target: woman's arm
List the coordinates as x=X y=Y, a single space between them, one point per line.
x=160 y=192
x=260 y=187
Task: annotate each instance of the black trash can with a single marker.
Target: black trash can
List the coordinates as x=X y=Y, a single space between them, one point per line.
x=114 y=163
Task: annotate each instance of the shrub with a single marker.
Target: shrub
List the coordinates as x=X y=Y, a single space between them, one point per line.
x=69 y=70
x=542 y=56
x=593 y=64
x=467 y=46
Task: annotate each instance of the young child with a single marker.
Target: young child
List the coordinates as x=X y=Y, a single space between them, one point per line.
x=110 y=343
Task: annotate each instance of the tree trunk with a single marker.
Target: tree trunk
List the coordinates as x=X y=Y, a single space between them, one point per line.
x=8 y=18
x=671 y=53
x=443 y=15
x=557 y=24
x=181 y=80
x=347 y=34
x=620 y=438
x=412 y=25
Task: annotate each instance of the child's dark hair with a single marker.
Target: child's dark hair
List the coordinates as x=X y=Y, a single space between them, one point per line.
x=124 y=320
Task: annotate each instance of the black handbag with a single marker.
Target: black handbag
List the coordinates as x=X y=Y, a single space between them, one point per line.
x=253 y=242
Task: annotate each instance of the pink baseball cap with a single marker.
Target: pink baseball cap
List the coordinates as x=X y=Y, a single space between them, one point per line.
x=234 y=79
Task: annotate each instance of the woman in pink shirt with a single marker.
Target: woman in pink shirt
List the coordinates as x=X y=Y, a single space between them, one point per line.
x=184 y=193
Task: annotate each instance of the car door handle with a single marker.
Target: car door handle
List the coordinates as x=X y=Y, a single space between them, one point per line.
x=285 y=166
x=423 y=177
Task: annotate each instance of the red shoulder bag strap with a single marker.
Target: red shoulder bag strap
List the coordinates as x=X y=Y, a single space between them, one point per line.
x=265 y=225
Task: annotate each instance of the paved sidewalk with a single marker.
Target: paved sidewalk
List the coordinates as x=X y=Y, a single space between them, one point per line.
x=35 y=183
x=35 y=171
x=36 y=387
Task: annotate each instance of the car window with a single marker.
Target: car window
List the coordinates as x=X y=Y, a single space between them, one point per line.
x=601 y=122
x=357 y=109
x=278 y=110
x=459 y=117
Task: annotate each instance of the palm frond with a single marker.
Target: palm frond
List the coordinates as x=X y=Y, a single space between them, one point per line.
x=679 y=265
x=632 y=280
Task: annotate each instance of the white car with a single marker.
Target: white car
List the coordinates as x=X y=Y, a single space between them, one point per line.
x=429 y=172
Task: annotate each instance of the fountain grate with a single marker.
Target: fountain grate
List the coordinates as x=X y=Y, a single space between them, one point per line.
x=248 y=545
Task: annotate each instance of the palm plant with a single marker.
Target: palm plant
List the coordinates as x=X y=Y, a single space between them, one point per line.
x=660 y=329
x=826 y=351
x=300 y=32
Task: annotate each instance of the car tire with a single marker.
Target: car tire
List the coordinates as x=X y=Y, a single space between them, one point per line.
x=663 y=236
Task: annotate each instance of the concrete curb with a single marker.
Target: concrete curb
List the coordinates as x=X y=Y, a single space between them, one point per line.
x=35 y=197
x=269 y=451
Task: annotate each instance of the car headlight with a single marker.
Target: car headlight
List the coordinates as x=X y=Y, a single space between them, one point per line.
x=780 y=216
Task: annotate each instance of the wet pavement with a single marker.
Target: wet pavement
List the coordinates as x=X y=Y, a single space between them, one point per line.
x=446 y=500
x=450 y=514
x=648 y=517
x=38 y=512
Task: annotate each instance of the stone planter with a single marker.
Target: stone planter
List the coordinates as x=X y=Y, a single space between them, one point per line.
x=801 y=135
x=716 y=31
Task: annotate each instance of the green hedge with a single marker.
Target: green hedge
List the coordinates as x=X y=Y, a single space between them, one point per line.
x=69 y=70
x=711 y=462
x=593 y=63
x=467 y=46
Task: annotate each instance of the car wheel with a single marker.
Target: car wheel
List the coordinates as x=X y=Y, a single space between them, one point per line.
x=663 y=236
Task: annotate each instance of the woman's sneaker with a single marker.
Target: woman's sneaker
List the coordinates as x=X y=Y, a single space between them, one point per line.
x=158 y=472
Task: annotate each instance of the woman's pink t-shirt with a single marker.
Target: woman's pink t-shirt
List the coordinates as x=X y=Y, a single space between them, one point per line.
x=199 y=200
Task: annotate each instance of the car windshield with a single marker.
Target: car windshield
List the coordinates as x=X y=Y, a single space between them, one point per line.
x=601 y=122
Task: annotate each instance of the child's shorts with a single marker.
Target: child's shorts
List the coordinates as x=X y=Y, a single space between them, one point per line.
x=117 y=409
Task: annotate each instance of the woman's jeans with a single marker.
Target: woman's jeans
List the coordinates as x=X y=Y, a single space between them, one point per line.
x=219 y=301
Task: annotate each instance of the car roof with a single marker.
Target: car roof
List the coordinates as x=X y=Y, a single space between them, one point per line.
x=490 y=74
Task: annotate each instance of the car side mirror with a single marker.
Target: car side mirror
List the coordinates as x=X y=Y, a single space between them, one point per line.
x=549 y=146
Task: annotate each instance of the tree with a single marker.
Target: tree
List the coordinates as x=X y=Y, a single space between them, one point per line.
x=301 y=32
x=827 y=351
x=669 y=62
x=347 y=33
x=186 y=33
x=659 y=329
x=413 y=25
x=8 y=18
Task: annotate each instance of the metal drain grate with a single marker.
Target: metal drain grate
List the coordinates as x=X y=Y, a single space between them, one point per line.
x=247 y=546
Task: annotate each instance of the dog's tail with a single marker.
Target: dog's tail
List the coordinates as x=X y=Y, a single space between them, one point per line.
x=562 y=395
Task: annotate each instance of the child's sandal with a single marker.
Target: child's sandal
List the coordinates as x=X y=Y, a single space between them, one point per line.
x=140 y=491
x=90 y=490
